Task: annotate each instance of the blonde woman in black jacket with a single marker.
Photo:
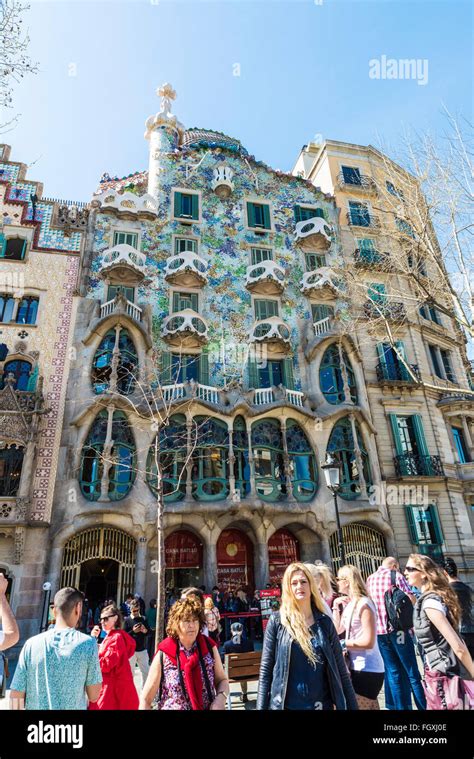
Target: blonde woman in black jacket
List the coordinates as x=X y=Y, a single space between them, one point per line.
x=302 y=664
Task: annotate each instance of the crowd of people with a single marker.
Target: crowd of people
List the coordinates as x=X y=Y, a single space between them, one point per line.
x=333 y=643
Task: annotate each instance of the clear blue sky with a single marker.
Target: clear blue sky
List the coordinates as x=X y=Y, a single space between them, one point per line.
x=304 y=70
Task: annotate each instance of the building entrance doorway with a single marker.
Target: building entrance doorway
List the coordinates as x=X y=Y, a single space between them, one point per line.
x=99 y=580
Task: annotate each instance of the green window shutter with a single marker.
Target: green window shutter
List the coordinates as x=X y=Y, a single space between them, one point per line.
x=297 y=212
x=176 y=302
x=381 y=349
x=376 y=292
x=194 y=301
x=411 y=519
x=252 y=373
x=204 y=368
x=251 y=214
x=288 y=377
x=266 y=217
x=177 y=204
x=439 y=539
x=165 y=368
x=195 y=207
x=420 y=435
x=319 y=213
x=396 y=435
x=2 y=245
x=33 y=378
x=400 y=345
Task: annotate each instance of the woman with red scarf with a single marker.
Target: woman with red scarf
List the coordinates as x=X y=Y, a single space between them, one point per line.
x=118 y=689
x=187 y=671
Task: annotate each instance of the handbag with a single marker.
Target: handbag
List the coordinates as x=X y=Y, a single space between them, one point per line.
x=345 y=652
x=443 y=693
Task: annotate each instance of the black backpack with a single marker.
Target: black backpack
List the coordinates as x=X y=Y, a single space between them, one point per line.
x=398 y=606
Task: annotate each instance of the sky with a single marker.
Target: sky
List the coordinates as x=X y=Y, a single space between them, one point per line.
x=274 y=74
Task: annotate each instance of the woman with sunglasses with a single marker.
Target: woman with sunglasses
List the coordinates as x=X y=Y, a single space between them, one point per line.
x=436 y=618
x=118 y=689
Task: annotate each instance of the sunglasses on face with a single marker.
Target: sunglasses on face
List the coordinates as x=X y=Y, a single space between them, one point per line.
x=104 y=619
x=411 y=569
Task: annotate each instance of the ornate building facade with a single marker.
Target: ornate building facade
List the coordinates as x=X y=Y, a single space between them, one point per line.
x=212 y=354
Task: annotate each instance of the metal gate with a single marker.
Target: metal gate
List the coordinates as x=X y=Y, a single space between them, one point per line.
x=364 y=548
x=100 y=543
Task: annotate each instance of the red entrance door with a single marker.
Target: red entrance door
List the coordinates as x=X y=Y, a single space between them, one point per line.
x=283 y=549
x=183 y=557
x=235 y=561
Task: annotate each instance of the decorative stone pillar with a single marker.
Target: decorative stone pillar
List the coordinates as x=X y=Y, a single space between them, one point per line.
x=141 y=566
x=231 y=460
x=467 y=434
x=210 y=565
x=253 y=489
x=16 y=306
x=360 y=463
x=106 y=457
x=286 y=463
x=262 y=568
x=345 y=378
x=115 y=360
x=189 y=465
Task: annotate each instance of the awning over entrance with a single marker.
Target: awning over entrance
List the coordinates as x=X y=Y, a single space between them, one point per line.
x=234 y=560
x=283 y=549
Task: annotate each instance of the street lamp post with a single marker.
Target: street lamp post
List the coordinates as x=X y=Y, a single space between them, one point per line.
x=332 y=474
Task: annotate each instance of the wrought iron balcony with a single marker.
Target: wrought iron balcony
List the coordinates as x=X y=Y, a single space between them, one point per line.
x=316 y=232
x=363 y=218
x=414 y=465
x=186 y=269
x=372 y=259
x=397 y=373
x=266 y=277
x=393 y=310
x=361 y=183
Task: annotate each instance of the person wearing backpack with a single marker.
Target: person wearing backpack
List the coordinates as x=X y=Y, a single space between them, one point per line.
x=389 y=591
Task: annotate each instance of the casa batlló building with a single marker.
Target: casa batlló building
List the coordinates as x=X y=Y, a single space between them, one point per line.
x=210 y=353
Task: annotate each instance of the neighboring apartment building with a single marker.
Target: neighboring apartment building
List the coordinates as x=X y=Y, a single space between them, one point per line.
x=418 y=383
x=40 y=246
x=209 y=254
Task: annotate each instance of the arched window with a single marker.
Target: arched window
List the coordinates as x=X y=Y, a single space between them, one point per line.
x=267 y=444
x=122 y=458
x=21 y=371
x=126 y=368
x=240 y=440
x=331 y=380
x=11 y=462
x=27 y=310
x=303 y=471
x=210 y=464
x=341 y=445
x=172 y=457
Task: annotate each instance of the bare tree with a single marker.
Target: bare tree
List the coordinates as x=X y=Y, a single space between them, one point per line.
x=15 y=63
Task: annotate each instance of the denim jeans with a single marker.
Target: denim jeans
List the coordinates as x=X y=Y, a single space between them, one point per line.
x=401 y=668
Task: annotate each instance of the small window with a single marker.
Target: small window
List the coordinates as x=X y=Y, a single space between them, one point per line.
x=314 y=261
x=186 y=206
x=13 y=248
x=114 y=290
x=27 y=311
x=424 y=525
x=182 y=244
x=257 y=255
x=303 y=214
x=405 y=228
x=258 y=215
x=359 y=214
x=446 y=359
x=394 y=190
x=351 y=175
x=376 y=292
x=265 y=308
x=7 y=304
x=126 y=238
x=435 y=361
x=320 y=311
x=461 y=447
x=185 y=367
x=185 y=300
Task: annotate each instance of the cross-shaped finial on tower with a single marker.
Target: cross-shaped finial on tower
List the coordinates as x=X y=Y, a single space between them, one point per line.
x=167 y=94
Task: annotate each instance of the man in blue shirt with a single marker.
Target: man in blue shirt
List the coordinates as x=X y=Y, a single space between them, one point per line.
x=58 y=669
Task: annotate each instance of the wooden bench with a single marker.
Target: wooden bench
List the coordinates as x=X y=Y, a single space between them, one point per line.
x=241 y=668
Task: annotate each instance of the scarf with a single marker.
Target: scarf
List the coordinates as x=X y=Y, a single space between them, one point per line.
x=190 y=666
